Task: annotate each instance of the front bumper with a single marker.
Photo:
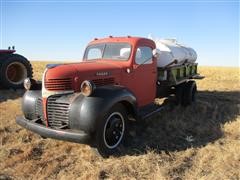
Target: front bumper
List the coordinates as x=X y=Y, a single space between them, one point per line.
x=61 y=134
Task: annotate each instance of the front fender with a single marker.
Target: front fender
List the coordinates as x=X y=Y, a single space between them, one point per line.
x=86 y=111
x=29 y=101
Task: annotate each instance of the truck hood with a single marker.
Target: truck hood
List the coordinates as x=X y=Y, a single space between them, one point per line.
x=78 y=72
x=56 y=71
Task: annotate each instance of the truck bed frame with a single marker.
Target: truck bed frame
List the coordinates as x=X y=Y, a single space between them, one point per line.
x=177 y=74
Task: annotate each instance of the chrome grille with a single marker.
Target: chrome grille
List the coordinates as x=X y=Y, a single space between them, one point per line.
x=39 y=109
x=58 y=84
x=57 y=113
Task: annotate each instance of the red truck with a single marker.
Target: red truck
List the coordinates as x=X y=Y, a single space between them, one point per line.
x=94 y=100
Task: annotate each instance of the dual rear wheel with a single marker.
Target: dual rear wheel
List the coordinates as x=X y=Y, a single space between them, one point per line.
x=186 y=93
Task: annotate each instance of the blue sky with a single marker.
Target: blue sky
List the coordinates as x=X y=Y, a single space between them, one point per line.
x=60 y=30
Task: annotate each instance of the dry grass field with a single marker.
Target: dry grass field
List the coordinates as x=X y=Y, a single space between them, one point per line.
x=197 y=142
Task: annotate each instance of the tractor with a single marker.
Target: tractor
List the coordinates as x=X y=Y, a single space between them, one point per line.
x=14 y=68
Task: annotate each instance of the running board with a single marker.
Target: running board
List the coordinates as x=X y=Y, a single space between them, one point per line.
x=150 y=110
x=153 y=112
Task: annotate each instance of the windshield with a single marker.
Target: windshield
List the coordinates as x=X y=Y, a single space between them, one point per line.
x=112 y=51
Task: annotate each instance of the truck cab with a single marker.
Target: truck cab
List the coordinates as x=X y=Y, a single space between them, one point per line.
x=95 y=99
x=134 y=58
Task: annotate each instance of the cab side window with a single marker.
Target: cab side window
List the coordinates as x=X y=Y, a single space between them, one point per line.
x=143 y=55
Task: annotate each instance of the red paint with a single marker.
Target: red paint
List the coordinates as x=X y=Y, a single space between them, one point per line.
x=141 y=80
x=7 y=51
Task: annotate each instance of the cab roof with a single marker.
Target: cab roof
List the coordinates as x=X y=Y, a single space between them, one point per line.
x=127 y=39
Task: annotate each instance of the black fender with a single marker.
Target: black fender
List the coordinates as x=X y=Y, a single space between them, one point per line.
x=86 y=111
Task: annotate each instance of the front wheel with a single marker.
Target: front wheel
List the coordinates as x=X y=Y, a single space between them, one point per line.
x=111 y=131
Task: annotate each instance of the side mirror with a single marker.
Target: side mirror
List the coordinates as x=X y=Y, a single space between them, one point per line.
x=156 y=53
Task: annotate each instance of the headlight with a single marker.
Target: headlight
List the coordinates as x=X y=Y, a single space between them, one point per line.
x=87 y=88
x=27 y=84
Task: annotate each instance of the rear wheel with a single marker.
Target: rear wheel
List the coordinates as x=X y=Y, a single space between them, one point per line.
x=189 y=95
x=186 y=93
x=14 y=70
x=111 y=131
x=179 y=93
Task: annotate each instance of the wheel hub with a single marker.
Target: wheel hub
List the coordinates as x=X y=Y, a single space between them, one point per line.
x=113 y=130
x=16 y=72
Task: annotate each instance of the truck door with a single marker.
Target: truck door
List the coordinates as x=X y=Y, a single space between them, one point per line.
x=145 y=75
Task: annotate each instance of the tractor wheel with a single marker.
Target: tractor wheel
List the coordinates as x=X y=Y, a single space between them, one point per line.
x=14 y=70
x=111 y=131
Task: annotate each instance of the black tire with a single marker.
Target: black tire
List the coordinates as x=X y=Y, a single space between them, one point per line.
x=179 y=93
x=109 y=140
x=189 y=94
x=14 y=69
